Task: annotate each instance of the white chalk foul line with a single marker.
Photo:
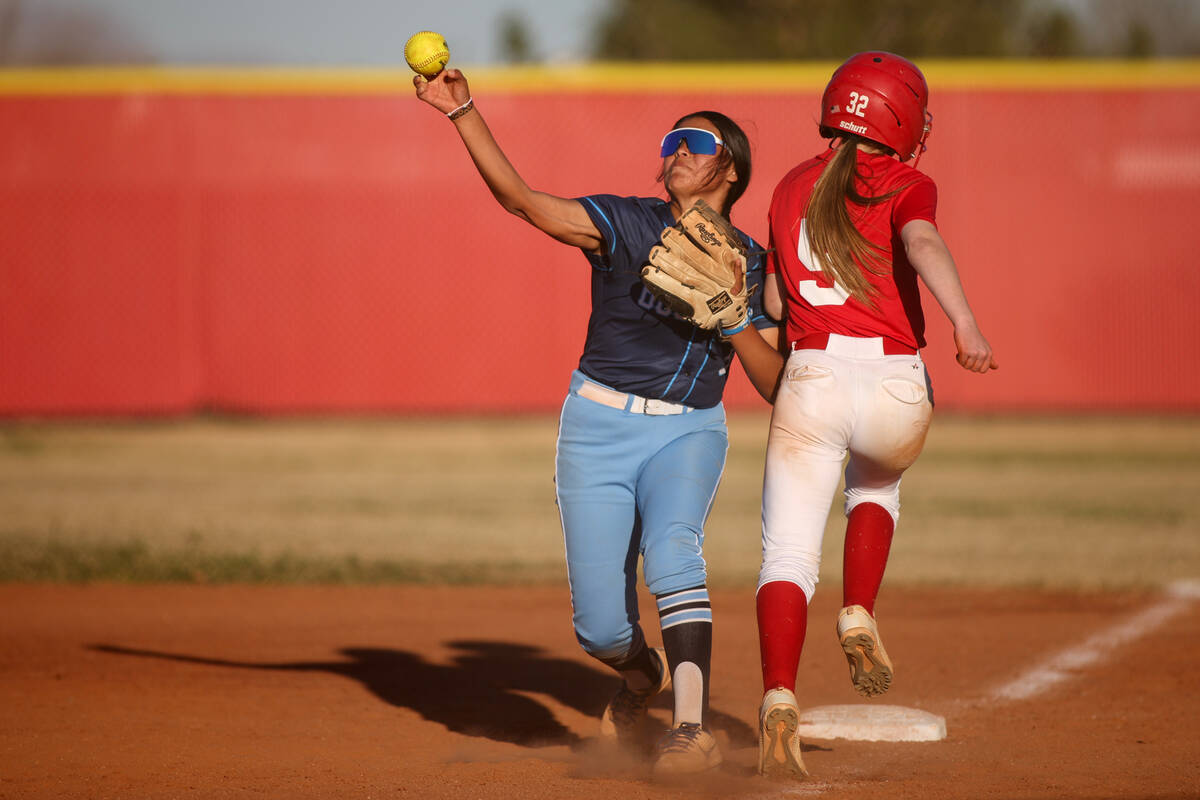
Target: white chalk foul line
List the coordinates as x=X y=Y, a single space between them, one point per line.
x=1066 y=664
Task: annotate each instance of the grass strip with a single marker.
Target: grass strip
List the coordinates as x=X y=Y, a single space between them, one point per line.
x=134 y=561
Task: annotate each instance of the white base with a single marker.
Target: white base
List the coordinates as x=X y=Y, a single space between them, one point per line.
x=871 y=723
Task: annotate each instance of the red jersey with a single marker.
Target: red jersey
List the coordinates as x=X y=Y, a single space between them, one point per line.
x=814 y=303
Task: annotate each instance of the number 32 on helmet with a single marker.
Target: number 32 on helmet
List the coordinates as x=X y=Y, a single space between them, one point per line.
x=882 y=97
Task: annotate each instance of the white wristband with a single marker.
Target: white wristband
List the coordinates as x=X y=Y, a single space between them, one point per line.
x=464 y=108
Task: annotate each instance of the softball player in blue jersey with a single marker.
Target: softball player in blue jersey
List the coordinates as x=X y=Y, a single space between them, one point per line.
x=642 y=437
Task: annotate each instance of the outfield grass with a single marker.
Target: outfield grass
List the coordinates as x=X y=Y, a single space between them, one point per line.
x=1084 y=503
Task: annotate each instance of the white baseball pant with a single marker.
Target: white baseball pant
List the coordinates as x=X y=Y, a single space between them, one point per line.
x=875 y=407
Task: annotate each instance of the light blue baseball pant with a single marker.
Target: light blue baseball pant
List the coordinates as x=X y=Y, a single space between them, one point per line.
x=629 y=484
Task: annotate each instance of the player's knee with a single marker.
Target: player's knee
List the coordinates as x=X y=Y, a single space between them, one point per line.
x=801 y=567
x=676 y=580
x=888 y=499
x=610 y=652
x=674 y=562
x=606 y=637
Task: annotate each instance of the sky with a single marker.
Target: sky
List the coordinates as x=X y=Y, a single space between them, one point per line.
x=369 y=33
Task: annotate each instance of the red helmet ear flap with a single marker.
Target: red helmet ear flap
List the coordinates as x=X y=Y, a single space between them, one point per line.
x=879 y=96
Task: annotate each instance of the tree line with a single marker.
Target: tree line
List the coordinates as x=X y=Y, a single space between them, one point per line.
x=759 y=30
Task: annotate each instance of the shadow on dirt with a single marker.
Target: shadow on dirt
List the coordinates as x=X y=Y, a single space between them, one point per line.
x=477 y=694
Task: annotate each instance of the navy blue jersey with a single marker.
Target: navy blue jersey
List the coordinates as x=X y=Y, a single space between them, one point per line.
x=634 y=342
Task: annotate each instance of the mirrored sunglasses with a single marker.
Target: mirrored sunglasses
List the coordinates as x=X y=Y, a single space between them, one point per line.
x=699 y=141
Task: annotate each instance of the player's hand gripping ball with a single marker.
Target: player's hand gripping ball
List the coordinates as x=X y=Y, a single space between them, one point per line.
x=427 y=53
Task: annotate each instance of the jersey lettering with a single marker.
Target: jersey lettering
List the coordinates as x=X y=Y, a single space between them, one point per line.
x=815 y=294
x=651 y=302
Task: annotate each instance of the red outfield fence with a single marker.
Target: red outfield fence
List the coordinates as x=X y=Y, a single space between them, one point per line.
x=317 y=242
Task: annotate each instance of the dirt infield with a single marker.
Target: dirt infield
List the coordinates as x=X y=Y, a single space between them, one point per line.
x=113 y=691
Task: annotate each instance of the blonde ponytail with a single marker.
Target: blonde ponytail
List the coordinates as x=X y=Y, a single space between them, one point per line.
x=832 y=235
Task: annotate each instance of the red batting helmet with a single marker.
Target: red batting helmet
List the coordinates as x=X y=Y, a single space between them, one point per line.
x=882 y=97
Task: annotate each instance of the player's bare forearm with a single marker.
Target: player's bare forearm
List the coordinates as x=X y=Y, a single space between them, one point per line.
x=929 y=256
x=562 y=218
x=761 y=359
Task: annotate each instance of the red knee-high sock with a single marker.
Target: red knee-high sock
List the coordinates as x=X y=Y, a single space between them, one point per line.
x=868 y=540
x=782 y=620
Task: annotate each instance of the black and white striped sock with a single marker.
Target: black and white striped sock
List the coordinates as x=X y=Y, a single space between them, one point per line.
x=686 y=619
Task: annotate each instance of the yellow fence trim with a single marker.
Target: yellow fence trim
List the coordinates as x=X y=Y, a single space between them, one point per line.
x=741 y=78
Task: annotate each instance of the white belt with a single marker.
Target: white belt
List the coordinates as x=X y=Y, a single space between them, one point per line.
x=853 y=346
x=631 y=402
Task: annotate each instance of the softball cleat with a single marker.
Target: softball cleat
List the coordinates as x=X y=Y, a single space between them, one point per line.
x=685 y=749
x=778 y=745
x=627 y=709
x=870 y=667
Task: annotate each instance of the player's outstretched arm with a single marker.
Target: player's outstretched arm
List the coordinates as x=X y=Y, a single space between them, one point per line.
x=930 y=257
x=560 y=217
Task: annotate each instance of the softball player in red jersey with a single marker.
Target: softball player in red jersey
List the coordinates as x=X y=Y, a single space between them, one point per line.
x=851 y=231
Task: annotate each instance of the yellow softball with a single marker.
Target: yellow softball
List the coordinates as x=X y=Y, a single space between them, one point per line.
x=426 y=52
